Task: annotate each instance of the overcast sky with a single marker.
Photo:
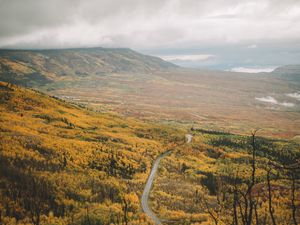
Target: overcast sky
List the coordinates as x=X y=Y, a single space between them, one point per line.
x=153 y=26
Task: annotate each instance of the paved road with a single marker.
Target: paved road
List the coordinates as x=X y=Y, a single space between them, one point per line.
x=149 y=183
x=189 y=138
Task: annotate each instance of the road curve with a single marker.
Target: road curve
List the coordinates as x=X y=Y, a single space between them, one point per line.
x=189 y=138
x=146 y=192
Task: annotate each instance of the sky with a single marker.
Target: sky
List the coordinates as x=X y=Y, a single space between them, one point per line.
x=231 y=34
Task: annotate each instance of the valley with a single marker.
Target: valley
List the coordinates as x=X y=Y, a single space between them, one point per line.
x=129 y=83
x=143 y=141
x=215 y=100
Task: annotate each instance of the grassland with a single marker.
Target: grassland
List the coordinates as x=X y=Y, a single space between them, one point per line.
x=215 y=100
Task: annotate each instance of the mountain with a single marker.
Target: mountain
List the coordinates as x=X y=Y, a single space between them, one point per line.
x=40 y=67
x=288 y=72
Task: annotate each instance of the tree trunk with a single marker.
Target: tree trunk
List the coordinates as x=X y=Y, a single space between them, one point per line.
x=253 y=165
x=256 y=213
x=271 y=210
x=235 y=216
x=293 y=199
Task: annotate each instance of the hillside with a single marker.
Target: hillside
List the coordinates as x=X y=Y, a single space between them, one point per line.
x=40 y=67
x=64 y=164
x=288 y=72
x=57 y=159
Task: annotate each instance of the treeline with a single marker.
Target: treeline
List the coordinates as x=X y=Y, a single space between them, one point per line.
x=206 y=131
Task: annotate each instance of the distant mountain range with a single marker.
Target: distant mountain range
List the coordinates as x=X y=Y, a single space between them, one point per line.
x=288 y=72
x=39 y=67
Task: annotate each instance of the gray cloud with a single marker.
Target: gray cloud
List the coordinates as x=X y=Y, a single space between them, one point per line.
x=143 y=24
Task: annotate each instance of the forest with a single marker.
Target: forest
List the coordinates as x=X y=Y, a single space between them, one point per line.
x=64 y=163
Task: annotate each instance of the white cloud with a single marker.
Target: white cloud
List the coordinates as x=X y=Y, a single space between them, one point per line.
x=268 y=99
x=295 y=95
x=252 y=46
x=253 y=70
x=146 y=24
x=271 y=100
x=186 y=57
x=287 y=104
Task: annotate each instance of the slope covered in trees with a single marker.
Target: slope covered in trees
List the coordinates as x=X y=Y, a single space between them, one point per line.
x=230 y=179
x=61 y=163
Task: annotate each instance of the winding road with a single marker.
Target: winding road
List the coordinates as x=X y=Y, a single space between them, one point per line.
x=189 y=138
x=149 y=183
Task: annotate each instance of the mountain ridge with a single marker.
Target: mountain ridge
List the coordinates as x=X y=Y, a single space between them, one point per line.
x=288 y=72
x=43 y=66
